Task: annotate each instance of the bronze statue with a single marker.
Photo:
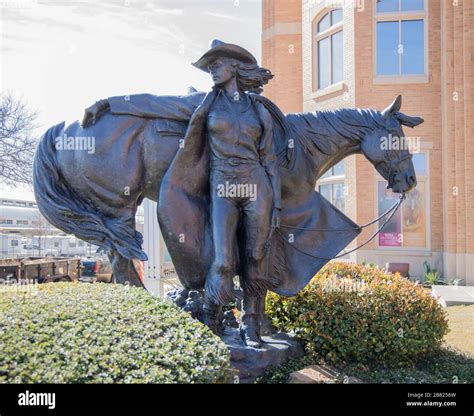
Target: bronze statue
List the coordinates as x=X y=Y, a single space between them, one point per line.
x=234 y=179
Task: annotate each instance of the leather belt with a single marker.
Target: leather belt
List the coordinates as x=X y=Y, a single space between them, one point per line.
x=232 y=161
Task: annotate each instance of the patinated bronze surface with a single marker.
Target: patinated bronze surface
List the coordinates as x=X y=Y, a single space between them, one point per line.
x=227 y=169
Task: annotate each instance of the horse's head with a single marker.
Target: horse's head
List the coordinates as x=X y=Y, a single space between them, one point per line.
x=387 y=149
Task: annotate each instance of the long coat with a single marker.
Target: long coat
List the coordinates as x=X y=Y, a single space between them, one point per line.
x=294 y=256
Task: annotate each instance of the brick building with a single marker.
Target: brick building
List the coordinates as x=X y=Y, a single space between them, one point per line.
x=329 y=54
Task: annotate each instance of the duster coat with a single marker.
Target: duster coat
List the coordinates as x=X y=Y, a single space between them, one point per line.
x=295 y=254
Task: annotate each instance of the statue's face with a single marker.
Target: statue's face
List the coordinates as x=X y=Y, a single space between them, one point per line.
x=222 y=71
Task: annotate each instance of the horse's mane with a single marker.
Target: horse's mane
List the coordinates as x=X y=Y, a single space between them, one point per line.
x=325 y=131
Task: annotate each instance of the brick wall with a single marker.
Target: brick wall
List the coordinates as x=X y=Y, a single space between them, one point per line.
x=457 y=70
x=444 y=99
x=281 y=52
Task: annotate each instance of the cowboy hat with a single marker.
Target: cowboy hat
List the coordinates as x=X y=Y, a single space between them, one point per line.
x=220 y=49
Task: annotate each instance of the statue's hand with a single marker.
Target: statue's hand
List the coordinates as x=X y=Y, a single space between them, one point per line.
x=276 y=222
x=93 y=113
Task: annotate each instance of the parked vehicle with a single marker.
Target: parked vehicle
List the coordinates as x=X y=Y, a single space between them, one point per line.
x=40 y=269
x=17 y=246
x=96 y=268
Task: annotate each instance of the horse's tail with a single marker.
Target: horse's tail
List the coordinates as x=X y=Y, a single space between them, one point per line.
x=66 y=210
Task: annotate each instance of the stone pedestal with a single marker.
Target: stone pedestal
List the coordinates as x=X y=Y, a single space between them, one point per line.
x=252 y=363
x=249 y=363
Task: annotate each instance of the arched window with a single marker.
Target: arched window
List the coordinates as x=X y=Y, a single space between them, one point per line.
x=329 y=55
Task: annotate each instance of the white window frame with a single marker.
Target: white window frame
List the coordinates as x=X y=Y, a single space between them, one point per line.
x=334 y=180
x=399 y=16
x=328 y=33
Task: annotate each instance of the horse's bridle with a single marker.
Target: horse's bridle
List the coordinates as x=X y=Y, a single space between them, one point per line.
x=388 y=162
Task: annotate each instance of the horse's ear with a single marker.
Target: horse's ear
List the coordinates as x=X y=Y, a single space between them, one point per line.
x=393 y=108
x=409 y=120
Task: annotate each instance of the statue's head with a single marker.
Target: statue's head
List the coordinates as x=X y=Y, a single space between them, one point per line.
x=225 y=61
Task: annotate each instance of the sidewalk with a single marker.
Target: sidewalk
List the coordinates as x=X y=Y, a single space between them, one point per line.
x=454 y=295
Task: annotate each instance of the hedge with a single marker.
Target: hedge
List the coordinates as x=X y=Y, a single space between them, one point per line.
x=357 y=313
x=102 y=333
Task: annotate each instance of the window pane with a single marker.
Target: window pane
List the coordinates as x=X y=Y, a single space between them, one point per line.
x=408 y=5
x=414 y=217
x=323 y=63
x=325 y=190
x=338 y=196
x=338 y=169
x=387 y=48
x=336 y=16
x=413 y=40
x=337 y=57
x=391 y=234
x=328 y=174
x=419 y=161
x=324 y=23
x=387 y=6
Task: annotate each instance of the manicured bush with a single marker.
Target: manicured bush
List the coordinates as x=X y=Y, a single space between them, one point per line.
x=102 y=333
x=356 y=313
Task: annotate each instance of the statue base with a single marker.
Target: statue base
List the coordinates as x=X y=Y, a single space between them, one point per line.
x=252 y=363
x=249 y=363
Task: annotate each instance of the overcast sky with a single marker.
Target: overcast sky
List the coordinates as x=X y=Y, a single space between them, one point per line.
x=61 y=56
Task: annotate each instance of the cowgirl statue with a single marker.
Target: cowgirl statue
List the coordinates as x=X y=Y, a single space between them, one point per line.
x=245 y=199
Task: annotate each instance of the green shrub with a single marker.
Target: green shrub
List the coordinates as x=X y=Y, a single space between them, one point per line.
x=100 y=333
x=356 y=313
x=445 y=366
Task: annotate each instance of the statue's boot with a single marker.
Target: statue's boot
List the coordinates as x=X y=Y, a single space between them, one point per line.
x=211 y=313
x=218 y=291
x=219 y=288
x=249 y=331
x=249 y=325
x=266 y=327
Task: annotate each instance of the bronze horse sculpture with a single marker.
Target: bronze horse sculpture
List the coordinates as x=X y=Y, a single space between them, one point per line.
x=137 y=145
x=95 y=196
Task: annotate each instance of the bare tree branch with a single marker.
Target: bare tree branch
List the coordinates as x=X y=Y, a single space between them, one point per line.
x=17 y=143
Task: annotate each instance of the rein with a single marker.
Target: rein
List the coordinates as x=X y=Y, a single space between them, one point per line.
x=391 y=211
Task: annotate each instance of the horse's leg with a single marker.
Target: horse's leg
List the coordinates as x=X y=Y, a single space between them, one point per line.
x=124 y=270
